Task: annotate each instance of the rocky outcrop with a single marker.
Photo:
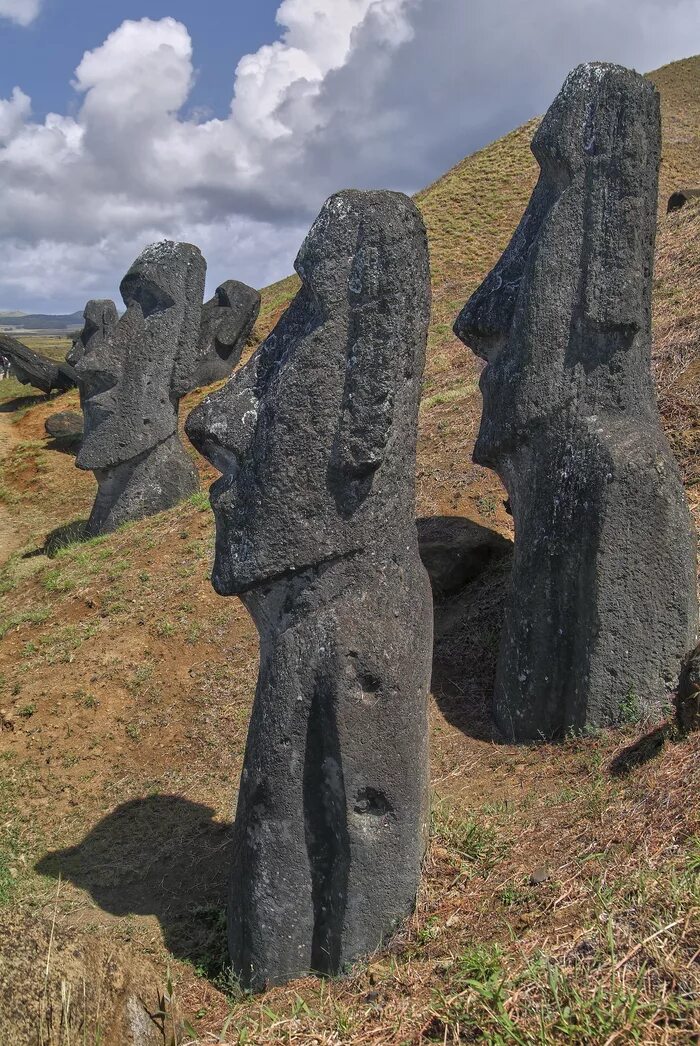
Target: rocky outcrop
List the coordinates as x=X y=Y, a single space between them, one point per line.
x=603 y=603
x=316 y=441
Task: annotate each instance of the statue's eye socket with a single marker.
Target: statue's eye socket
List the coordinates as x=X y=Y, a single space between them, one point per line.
x=147 y=294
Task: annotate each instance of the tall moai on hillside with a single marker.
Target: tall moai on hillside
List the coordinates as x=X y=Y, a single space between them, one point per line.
x=315 y=438
x=603 y=602
x=133 y=371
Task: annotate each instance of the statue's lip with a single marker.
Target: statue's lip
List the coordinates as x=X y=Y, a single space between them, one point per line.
x=219 y=488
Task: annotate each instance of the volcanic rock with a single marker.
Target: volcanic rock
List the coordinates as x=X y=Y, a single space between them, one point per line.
x=316 y=440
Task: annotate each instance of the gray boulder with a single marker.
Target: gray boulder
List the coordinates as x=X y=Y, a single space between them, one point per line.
x=603 y=602
x=316 y=440
x=132 y=373
x=31 y=368
x=66 y=426
x=227 y=322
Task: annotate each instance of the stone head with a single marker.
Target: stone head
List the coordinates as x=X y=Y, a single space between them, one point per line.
x=571 y=291
x=101 y=318
x=226 y=324
x=315 y=436
x=131 y=370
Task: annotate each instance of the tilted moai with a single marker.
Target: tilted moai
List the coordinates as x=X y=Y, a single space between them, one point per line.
x=316 y=440
x=133 y=371
x=227 y=322
x=603 y=602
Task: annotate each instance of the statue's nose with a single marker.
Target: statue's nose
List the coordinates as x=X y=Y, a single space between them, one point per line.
x=484 y=322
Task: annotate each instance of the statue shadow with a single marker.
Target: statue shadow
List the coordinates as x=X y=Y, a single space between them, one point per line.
x=20 y=402
x=162 y=856
x=643 y=750
x=468 y=621
x=68 y=534
x=64 y=445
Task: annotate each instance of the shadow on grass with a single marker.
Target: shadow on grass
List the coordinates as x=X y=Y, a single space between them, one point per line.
x=467 y=627
x=643 y=750
x=22 y=402
x=64 y=444
x=162 y=856
x=68 y=534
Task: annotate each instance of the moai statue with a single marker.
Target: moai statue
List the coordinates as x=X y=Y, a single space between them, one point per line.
x=316 y=440
x=133 y=372
x=227 y=322
x=101 y=317
x=603 y=602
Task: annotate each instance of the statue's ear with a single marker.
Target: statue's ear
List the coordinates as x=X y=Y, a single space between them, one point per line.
x=372 y=365
x=621 y=200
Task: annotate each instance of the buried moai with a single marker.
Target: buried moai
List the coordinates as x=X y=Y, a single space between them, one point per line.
x=133 y=371
x=316 y=440
x=603 y=603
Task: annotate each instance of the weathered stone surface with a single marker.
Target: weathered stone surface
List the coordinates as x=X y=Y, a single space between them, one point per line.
x=316 y=440
x=603 y=600
x=227 y=322
x=456 y=550
x=66 y=426
x=31 y=368
x=132 y=372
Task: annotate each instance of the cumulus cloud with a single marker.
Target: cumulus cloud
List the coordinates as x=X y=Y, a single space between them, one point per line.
x=372 y=93
x=23 y=12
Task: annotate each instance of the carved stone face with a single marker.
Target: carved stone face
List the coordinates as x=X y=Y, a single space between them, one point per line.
x=130 y=370
x=571 y=290
x=312 y=433
x=101 y=318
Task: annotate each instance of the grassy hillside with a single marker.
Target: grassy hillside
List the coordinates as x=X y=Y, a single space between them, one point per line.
x=562 y=885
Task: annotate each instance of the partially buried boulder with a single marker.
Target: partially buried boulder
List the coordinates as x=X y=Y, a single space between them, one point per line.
x=66 y=426
x=455 y=551
x=30 y=368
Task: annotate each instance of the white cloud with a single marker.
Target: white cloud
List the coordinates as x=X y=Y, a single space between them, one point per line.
x=375 y=93
x=23 y=12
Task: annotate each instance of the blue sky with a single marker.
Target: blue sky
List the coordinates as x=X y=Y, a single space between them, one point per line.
x=226 y=123
x=43 y=55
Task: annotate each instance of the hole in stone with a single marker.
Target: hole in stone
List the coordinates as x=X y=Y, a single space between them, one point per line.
x=371 y=802
x=370 y=683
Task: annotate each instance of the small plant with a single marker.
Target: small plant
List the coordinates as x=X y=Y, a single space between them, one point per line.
x=85 y=699
x=630 y=708
x=27 y=711
x=165 y=629
x=693 y=859
x=56 y=581
x=487 y=505
x=133 y=731
x=466 y=838
x=200 y=500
